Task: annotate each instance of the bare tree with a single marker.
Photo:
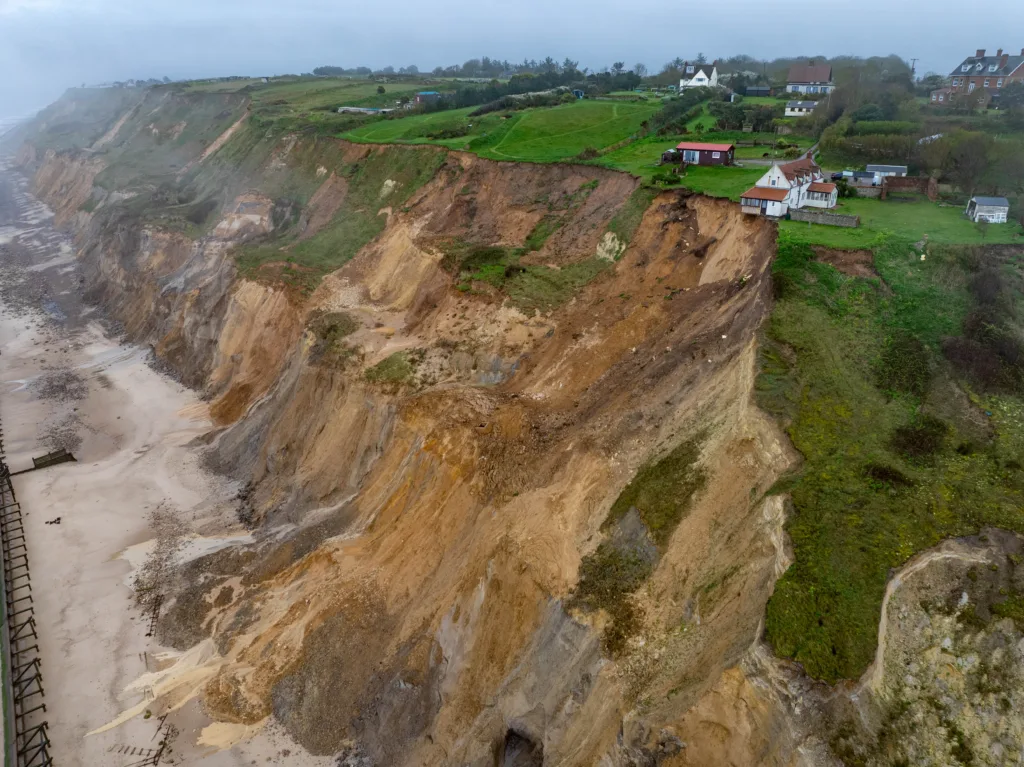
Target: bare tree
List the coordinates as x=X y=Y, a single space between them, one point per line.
x=617 y=67
x=640 y=69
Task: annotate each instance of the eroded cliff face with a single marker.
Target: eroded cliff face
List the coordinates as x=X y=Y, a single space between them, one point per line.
x=429 y=457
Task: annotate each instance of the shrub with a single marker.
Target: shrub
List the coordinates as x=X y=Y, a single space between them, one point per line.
x=887 y=475
x=395 y=370
x=588 y=154
x=904 y=365
x=920 y=440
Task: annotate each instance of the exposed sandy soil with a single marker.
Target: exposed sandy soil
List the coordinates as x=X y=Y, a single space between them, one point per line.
x=856 y=263
x=135 y=470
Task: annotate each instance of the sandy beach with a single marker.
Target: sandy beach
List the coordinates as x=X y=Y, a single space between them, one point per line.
x=68 y=382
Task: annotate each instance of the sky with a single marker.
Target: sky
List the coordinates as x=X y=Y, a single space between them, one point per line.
x=47 y=46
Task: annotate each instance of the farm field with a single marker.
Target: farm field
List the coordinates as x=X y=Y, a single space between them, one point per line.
x=911 y=220
x=534 y=135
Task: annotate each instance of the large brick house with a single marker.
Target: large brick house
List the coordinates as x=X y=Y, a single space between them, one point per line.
x=989 y=73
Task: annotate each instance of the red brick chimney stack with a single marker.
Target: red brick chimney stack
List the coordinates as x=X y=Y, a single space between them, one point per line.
x=1004 y=60
x=999 y=53
x=980 y=54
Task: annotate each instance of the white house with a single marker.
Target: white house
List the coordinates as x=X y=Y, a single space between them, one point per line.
x=810 y=78
x=994 y=210
x=699 y=75
x=797 y=184
x=800 y=108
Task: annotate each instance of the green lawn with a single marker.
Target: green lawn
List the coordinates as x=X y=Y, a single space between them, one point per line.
x=909 y=219
x=534 y=135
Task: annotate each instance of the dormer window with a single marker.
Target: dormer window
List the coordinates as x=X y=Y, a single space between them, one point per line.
x=980 y=66
x=992 y=68
x=689 y=70
x=965 y=68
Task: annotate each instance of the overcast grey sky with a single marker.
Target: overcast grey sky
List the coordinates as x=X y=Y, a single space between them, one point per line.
x=49 y=45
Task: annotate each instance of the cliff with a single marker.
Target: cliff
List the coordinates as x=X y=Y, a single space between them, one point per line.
x=494 y=425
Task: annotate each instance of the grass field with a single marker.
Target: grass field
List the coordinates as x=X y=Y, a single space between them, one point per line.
x=894 y=459
x=534 y=135
x=908 y=219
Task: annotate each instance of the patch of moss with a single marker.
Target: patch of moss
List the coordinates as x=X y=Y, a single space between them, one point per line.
x=394 y=370
x=607 y=579
x=1012 y=607
x=663 y=491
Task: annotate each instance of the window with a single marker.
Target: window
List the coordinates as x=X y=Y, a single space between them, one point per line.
x=775 y=182
x=942 y=97
x=689 y=70
x=970 y=88
x=716 y=155
x=965 y=68
x=987 y=82
x=992 y=68
x=813 y=89
x=999 y=83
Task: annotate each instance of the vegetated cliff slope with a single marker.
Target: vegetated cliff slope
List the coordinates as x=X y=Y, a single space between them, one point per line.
x=494 y=426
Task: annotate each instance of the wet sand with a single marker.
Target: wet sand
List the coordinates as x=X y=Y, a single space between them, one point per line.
x=66 y=382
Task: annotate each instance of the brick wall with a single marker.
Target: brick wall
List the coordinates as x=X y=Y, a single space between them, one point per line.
x=828 y=219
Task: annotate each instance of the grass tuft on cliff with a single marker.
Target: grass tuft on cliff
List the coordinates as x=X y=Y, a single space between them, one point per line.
x=381 y=181
x=869 y=380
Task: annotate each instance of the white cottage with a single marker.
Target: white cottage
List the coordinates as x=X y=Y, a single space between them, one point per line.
x=797 y=184
x=994 y=210
x=699 y=76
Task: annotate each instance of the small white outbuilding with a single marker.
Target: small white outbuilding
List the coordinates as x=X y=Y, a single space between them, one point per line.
x=994 y=210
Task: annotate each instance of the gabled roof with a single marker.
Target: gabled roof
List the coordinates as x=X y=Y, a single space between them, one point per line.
x=810 y=73
x=765 y=193
x=805 y=166
x=697 y=146
x=1012 y=64
x=801 y=104
x=707 y=69
x=819 y=186
x=995 y=202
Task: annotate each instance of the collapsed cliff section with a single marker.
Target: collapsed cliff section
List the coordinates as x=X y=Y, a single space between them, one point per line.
x=451 y=463
x=494 y=425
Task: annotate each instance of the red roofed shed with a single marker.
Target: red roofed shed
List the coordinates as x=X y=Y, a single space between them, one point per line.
x=698 y=153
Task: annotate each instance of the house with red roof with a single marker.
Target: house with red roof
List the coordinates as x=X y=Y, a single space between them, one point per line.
x=797 y=184
x=700 y=153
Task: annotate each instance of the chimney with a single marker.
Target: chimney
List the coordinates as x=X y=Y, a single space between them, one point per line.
x=999 y=53
x=1004 y=60
x=980 y=54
